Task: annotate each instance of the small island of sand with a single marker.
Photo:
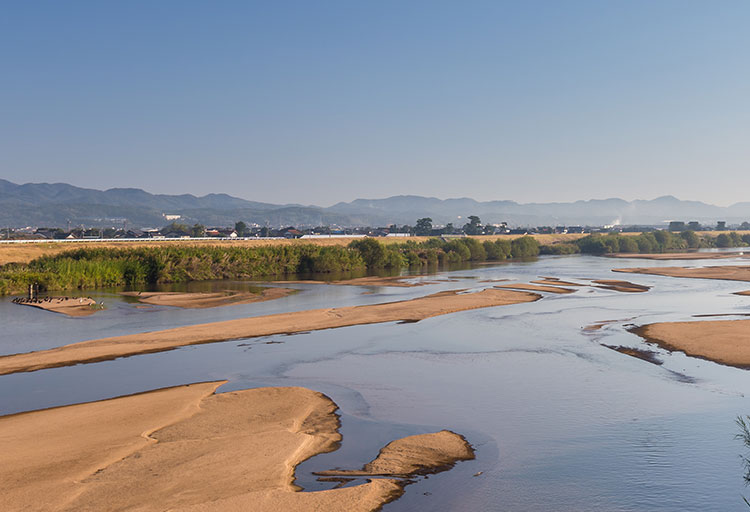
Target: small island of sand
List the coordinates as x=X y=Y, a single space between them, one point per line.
x=728 y=272
x=71 y=306
x=412 y=310
x=420 y=454
x=723 y=341
x=397 y=281
x=199 y=300
x=621 y=286
x=536 y=288
x=189 y=449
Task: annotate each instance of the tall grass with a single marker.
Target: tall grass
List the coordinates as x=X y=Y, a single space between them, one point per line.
x=107 y=267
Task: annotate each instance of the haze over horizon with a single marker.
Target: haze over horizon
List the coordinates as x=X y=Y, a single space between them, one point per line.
x=321 y=103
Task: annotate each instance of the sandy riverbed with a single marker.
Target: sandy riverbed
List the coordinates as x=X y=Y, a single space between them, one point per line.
x=554 y=281
x=420 y=454
x=311 y=320
x=621 y=286
x=723 y=341
x=398 y=281
x=199 y=300
x=186 y=448
x=71 y=306
x=536 y=288
x=728 y=272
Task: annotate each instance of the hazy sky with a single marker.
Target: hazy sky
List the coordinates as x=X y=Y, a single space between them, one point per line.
x=323 y=101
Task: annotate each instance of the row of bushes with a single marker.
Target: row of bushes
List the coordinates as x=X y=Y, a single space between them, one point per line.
x=652 y=242
x=106 y=267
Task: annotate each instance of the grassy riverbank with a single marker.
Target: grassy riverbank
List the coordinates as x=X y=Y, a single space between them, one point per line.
x=94 y=267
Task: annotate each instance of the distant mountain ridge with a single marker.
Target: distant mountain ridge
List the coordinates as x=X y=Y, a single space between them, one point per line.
x=56 y=204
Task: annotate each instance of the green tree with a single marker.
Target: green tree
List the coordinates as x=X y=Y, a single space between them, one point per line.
x=372 y=252
x=524 y=247
x=241 y=228
x=723 y=240
x=474 y=226
x=692 y=239
x=424 y=226
x=198 y=230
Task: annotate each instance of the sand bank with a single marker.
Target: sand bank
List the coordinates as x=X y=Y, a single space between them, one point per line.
x=311 y=320
x=420 y=454
x=555 y=282
x=199 y=300
x=728 y=272
x=723 y=341
x=398 y=281
x=182 y=448
x=681 y=256
x=536 y=288
x=71 y=306
x=621 y=286
x=645 y=355
x=744 y=292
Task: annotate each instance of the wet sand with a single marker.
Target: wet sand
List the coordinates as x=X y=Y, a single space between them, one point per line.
x=188 y=449
x=645 y=355
x=421 y=454
x=723 y=341
x=728 y=272
x=555 y=282
x=399 y=281
x=199 y=300
x=536 y=288
x=621 y=286
x=71 y=306
x=411 y=310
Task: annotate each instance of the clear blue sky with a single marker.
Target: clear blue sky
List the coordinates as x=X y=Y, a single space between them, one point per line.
x=322 y=101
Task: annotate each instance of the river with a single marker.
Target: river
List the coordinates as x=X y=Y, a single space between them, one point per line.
x=559 y=421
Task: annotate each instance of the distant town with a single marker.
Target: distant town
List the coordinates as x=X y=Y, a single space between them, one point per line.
x=422 y=227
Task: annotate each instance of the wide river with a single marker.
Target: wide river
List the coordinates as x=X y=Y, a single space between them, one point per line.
x=559 y=421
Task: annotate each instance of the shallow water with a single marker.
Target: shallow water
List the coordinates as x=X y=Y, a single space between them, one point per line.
x=559 y=421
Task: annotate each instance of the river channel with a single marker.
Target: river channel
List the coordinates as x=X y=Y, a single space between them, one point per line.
x=559 y=420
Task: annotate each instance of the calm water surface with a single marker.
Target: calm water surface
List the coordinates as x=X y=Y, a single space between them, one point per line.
x=560 y=422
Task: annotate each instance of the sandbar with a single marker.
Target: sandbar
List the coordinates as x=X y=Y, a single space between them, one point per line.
x=621 y=286
x=645 y=355
x=71 y=306
x=414 y=455
x=199 y=300
x=555 y=282
x=723 y=341
x=536 y=288
x=398 y=281
x=411 y=310
x=744 y=292
x=181 y=449
x=727 y=272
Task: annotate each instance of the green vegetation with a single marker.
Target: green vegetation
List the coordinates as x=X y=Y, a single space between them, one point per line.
x=97 y=267
x=106 y=267
x=657 y=242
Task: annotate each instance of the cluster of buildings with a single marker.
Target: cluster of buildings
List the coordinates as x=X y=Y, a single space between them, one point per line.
x=242 y=230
